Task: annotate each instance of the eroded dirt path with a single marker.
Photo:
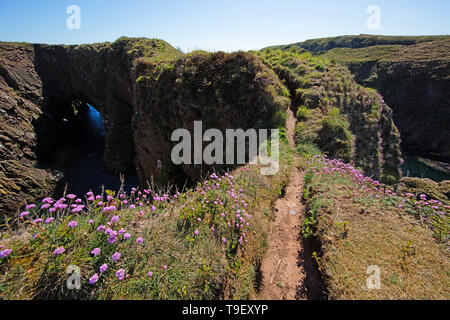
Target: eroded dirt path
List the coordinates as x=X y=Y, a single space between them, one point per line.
x=282 y=269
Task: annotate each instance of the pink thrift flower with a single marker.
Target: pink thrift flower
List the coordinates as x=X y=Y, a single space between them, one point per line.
x=47 y=221
x=59 y=251
x=72 y=224
x=120 y=274
x=24 y=214
x=103 y=268
x=5 y=253
x=116 y=256
x=140 y=240
x=96 y=252
x=93 y=280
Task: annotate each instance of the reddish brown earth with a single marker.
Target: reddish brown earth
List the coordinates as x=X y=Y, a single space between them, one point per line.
x=282 y=269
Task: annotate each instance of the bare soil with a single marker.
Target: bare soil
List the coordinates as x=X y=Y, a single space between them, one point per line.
x=282 y=271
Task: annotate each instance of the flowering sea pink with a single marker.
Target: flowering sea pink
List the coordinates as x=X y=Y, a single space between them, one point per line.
x=24 y=214
x=48 y=220
x=116 y=256
x=115 y=219
x=5 y=253
x=150 y=274
x=93 y=280
x=30 y=206
x=103 y=268
x=72 y=224
x=120 y=274
x=78 y=208
x=91 y=221
x=58 y=251
x=196 y=232
x=96 y=252
x=140 y=240
x=126 y=236
x=37 y=221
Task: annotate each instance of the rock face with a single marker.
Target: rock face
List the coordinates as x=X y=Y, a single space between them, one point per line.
x=222 y=90
x=415 y=82
x=143 y=91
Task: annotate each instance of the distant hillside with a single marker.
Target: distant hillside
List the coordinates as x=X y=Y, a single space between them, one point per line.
x=354 y=42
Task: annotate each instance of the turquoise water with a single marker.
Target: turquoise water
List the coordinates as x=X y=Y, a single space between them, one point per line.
x=413 y=167
x=84 y=169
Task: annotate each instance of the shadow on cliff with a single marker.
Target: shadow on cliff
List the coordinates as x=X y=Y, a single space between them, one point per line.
x=64 y=137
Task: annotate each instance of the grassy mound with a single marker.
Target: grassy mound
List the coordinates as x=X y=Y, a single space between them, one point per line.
x=362 y=227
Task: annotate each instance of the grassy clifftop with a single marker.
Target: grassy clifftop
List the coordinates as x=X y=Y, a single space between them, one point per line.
x=370 y=241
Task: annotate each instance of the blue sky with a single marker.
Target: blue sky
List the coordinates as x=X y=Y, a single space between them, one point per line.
x=216 y=24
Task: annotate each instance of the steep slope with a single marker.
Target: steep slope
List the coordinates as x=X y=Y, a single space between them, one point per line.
x=344 y=119
x=412 y=75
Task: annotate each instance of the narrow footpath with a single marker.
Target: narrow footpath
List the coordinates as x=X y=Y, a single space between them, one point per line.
x=282 y=269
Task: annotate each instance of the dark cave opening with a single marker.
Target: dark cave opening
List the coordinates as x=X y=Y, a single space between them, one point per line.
x=74 y=148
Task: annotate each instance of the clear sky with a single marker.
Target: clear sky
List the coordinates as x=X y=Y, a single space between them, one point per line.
x=216 y=24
